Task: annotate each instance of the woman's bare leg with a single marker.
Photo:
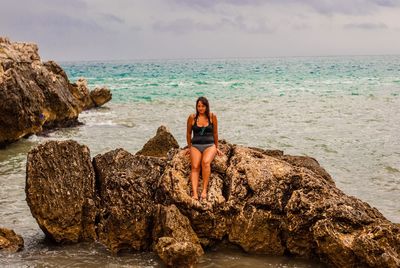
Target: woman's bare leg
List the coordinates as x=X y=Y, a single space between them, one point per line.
x=208 y=156
x=195 y=156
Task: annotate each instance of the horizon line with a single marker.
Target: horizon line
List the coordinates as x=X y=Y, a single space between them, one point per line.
x=223 y=58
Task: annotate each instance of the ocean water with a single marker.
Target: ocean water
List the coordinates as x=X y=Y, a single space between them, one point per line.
x=343 y=111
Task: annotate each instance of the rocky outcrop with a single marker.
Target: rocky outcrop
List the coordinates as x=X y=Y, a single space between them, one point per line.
x=36 y=95
x=60 y=191
x=10 y=241
x=100 y=96
x=160 y=144
x=80 y=91
x=126 y=189
x=264 y=201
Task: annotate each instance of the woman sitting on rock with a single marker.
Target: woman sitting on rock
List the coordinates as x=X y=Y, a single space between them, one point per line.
x=203 y=145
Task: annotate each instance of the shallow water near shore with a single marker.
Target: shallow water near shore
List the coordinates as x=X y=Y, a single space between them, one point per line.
x=343 y=111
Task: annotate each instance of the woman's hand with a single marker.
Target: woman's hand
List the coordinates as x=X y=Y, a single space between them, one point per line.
x=187 y=151
x=219 y=152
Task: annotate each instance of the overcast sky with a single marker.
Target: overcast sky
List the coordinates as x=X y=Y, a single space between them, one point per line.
x=170 y=29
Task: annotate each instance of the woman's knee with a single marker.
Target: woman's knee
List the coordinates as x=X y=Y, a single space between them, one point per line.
x=205 y=164
x=196 y=168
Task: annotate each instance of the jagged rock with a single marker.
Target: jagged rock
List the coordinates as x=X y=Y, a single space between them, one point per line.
x=10 y=241
x=60 y=190
x=309 y=163
x=177 y=254
x=127 y=184
x=264 y=201
x=35 y=95
x=379 y=245
x=160 y=144
x=81 y=93
x=99 y=96
x=175 y=241
x=257 y=231
x=53 y=67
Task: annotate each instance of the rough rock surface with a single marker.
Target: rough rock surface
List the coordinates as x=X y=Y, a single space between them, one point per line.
x=175 y=241
x=60 y=190
x=10 y=241
x=81 y=93
x=262 y=200
x=126 y=187
x=100 y=96
x=160 y=144
x=35 y=95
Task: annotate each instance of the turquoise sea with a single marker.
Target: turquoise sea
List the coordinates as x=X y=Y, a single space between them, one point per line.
x=343 y=111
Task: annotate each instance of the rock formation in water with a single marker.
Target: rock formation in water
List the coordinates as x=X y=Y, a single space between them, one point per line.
x=10 y=241
x=264 y=201
x=160 y=144
x=100 y=96
x=60 y=191
x=36 y=95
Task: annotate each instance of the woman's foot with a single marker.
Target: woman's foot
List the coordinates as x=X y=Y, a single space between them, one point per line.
x=204 y=196
x=195 y=197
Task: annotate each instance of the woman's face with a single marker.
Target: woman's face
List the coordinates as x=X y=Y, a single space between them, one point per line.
x=201 y=108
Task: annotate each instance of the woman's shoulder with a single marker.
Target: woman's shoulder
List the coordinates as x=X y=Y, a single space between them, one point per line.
x=191 y=117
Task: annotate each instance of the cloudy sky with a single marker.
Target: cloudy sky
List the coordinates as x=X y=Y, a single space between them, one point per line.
x=170 y=29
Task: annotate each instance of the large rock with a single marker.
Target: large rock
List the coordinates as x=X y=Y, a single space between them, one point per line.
x=10 y=241
x=160 y=144
x=269 y=203
x=175 y=241
x=127 y=184
x=262 y=200
x=60 y=190
x=35 y=95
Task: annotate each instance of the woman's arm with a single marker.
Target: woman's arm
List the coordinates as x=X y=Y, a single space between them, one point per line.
x=215 y=127
x=189 y=131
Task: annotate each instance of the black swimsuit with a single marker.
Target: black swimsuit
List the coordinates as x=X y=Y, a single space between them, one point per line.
x=203 y=137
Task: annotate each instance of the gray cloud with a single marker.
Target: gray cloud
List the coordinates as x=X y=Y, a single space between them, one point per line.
x=301 y=27
x=53 y=23
x=238 y=23
x=183 y=26
x=112 y=18
x=51 y=16
x=212 y=3
x=29 y=7
x=249 y=26
x=354 y=7
x=197 y=3
x=61 y=29
x=327 y=7
x=366 y=26
x=129 y=29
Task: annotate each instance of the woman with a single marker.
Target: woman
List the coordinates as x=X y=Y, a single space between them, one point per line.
x=203 y=145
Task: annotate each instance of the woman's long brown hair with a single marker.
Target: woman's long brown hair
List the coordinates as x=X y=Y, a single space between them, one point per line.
x=205 y=102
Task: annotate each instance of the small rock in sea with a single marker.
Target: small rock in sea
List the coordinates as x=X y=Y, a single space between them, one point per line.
x=10 y=241
x=100 y=96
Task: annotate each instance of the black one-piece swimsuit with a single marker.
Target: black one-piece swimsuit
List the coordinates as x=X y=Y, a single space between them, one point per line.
x=203 y=137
